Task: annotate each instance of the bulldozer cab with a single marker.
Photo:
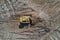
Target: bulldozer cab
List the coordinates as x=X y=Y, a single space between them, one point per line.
x=24 y=21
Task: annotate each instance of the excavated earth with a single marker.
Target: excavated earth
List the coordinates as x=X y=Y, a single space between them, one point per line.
x=45 y=16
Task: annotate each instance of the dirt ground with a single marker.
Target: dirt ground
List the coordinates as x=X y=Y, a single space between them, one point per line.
x=45 y=15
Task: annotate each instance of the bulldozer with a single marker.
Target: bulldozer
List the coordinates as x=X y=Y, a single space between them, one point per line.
x=24 y=21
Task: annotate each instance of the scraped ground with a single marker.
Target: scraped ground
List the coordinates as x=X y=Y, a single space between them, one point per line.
x=46 y=11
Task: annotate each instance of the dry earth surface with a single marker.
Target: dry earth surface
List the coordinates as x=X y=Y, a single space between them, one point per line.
x=46 y=17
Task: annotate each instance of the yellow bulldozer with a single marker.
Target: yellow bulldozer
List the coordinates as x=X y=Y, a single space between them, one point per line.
x=24 y=21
